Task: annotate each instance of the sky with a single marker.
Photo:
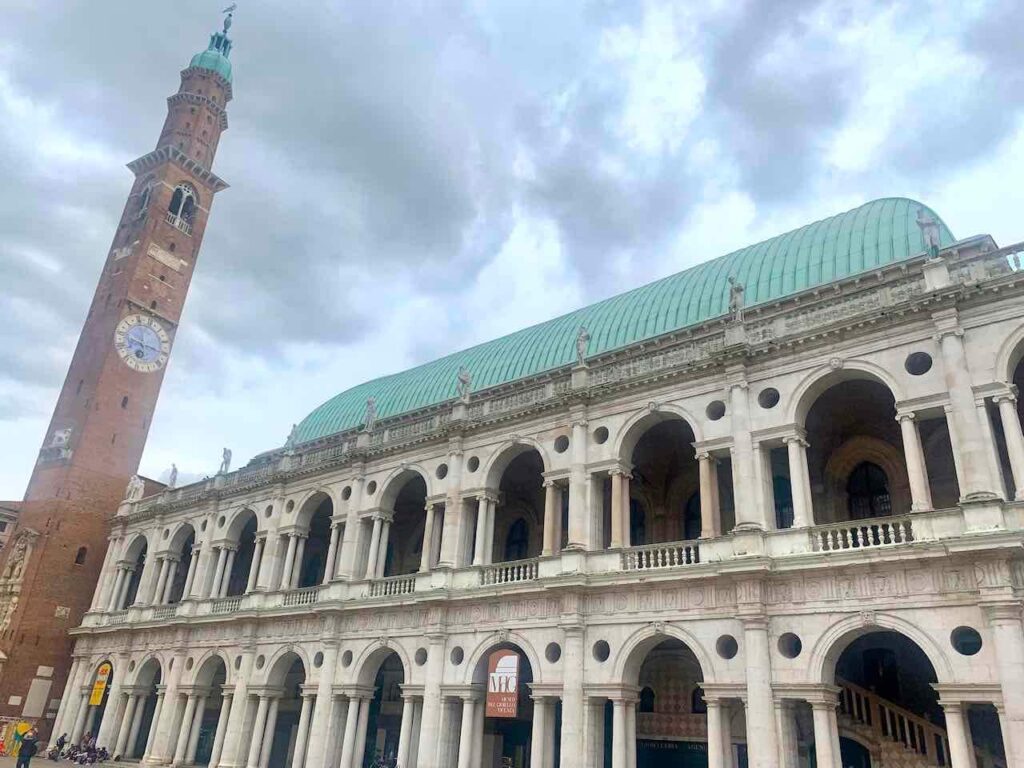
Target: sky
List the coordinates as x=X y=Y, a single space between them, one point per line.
x=411 y=177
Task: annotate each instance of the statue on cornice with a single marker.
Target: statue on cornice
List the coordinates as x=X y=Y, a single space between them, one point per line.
x=736 y=299
x=465 y=384
x=225 y=462
x=289 y=443
x=929 y=232
x=135 y=490
x=370 y=418
x=582 y=342
x=172 y=481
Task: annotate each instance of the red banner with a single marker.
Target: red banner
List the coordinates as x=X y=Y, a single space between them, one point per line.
x=502 y=684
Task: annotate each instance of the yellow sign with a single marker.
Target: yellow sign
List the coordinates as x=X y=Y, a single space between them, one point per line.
x=99 y=687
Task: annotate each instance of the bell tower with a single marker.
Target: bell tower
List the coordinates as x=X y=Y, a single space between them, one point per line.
x=98 y=430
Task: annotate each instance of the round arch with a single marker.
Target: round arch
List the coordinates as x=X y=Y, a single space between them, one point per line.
x=633 y=429
x=278 y=665
x=862 y=448
x=1011 y=352
x=238 y=521
x=827 y=376
x=206 y=668
x=506 y=453
x=180 y=536
x=136 y=547
x=636 y=647
x=479 y=655
x=372 y=656
x=311 y=503
x=147 y=670
x=821 y=663
x=397 y=480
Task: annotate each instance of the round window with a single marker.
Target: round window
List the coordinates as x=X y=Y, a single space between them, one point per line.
x=768 y=397
x=715 y=410
x=727 y=647
x=918 y=363
x=553 y=652
x=602 y=650
x=601 y=435
x=966 y=640
x=561 y=444
x=790 y=645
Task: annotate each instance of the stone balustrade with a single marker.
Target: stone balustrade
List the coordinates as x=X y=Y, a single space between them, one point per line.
x=660 y=556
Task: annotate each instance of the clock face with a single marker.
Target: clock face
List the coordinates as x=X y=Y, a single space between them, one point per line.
x=142 y=343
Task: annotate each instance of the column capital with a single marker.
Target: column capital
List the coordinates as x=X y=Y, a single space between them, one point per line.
x=1005 y=397
x=949 y=330
x=488 y=495
x=902 y=416
x=1003 y=612
x=796 y=440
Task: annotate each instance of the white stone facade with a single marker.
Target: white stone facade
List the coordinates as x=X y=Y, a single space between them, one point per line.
x=202 y=608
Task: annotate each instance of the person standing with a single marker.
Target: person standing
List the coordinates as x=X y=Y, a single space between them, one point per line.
x=29 y=747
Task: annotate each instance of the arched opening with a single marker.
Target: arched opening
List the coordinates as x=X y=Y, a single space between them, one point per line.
x=141 y=728
x=401 y=551
x=998 y=412
x=244 y=533
x=182 y=544
x=212 y=677
x=313 y=563
x=888 y=699
x=282 y=728
x=665 y=486
x=99 y=696
x=519 y=515
x=385 y=717
x=136 y=557
x=507 y=716
x=660 y=718
x=867 y=492
x=183 y=203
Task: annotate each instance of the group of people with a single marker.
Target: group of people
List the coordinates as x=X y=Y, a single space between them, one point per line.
x=26 y=745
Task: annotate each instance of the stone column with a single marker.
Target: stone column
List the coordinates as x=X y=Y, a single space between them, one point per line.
x=289 y=561
x=186 y=727
x=619 y=738
x=920 y=493
x=481 y=530
x=822 y=710
x=113 y=603
x=133 y=735
x=539 y=747
x=580 y=520
x=259 y=727
x=83 y=710
x=426 y=555
x=617 y=538
x=627 y=534
x=785 y=717
x=492 y=504
x=959 y=735
x=107 y=732
x=190 y=577
x=1014 y=440
x=302 y=737
x=167 y=726
x=976 y=483
x=172 y=573
x=572 y=747
x=300 y=552
x=229 y=566
x=193 y=737
x=234 y=746
x=430 y=722
x=1005 y=621
x=549 y=546
x=158 y=713
x=405 y=734
x=222 y=728
x=157 y=597
x=760 y=705
x=350 y=540
x=715 y=757
x=371 y=560
x=268 y=732
x=122 y=596
x=332 y=554
x=382 y=555
x=99 y=596
x=799 y=482
x=218 y=571
x=348 y=746
x=478 y=739
x=254 y=566
x=68 y=708
x=318 y=747
x=469 y=705
x=631 y=734
x=364 y=721
x=709 y=520
x=748 y=513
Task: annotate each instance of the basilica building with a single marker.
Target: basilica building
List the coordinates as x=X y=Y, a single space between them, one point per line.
x=766 y=512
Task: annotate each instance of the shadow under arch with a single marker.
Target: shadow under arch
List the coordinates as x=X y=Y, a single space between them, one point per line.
x=476 y=662
x=277 y=666
x=506 y=453
x=238 y=521
x=397 y=480
x=634 y=650
x=311 y=504
x=370 y=659
x=1009 y=356
x=826 y=376
x=208 y=665
x=181 y=535
x=821 y=663
x=149 y=675
x=639 y=423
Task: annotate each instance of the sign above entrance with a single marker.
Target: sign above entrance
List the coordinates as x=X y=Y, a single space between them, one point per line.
x=502 y=684
x=99 y=686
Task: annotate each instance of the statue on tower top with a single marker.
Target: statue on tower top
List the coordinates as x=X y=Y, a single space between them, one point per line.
x=230 y=11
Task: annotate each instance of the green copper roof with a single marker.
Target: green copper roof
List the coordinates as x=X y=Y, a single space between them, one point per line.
x=875 y=234
x=215 y=57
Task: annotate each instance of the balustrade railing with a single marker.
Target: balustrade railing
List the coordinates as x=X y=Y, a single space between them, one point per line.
x=652 y=556
x=393 y=585
x=226 y=605
x=117 y=617
x=305 y=596
x=178 y=223
x=164 y=611
x=508 y=573
x=862 y=534
x=893 y=723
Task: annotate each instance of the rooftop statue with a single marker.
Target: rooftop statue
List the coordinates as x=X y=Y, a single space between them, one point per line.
x=929 y=232
x=582 y=342
x=230 y=10
x=136 y=488
x=465 y=383
x=225 y=462
x=172 y=481
x=736 y=299
x=370 y=419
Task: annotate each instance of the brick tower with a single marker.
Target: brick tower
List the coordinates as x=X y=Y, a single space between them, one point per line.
x=98 y=431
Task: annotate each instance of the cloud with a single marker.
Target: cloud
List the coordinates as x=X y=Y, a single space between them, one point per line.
x=410 y=178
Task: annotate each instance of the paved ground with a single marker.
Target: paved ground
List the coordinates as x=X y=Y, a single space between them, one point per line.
x=42 y=762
